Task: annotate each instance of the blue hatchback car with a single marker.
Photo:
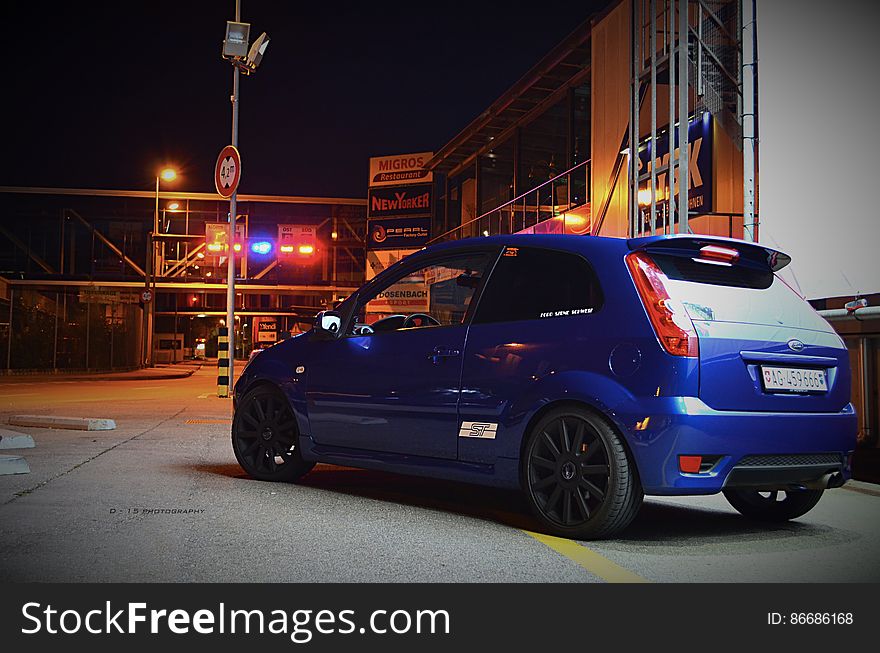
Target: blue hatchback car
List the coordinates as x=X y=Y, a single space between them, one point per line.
x=586 y=371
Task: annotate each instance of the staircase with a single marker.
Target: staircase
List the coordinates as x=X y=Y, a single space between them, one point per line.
x=559 y=205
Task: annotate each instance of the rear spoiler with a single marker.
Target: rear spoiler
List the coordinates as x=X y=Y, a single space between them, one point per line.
x=690 y=246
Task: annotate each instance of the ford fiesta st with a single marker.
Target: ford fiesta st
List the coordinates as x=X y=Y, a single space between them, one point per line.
x=586 y=371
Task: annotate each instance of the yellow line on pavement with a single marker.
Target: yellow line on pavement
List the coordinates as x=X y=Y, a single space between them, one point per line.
x=593 y=562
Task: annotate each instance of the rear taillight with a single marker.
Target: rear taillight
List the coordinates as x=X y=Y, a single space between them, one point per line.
x=671 y=323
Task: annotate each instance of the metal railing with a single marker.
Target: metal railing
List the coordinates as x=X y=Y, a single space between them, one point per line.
x=554 y=198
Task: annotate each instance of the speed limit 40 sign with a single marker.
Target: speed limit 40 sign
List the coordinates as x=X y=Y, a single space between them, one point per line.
x=227 y=172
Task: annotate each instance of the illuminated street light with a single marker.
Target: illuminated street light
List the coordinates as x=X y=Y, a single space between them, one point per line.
x=174 y=206
x=166 y=174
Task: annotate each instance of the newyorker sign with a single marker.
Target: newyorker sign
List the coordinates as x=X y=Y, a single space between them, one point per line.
x=400 y=169
x=400 y=201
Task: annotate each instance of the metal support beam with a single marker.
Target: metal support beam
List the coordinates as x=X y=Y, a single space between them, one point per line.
x=633 y=141
x=653 y=164
x=683 y=71
x=180 y=266
x=262 y=273
x=750 y=221
x=27 y=250
x=134 y=266
x=670 y=195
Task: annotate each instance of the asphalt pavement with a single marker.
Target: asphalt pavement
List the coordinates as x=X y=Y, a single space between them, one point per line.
x=161 y=498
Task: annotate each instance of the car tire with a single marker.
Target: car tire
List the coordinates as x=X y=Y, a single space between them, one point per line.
x=577 y=476
x=767 y=506
x=265 y=437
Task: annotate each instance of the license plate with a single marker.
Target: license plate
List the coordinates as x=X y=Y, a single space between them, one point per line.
x=793 y=379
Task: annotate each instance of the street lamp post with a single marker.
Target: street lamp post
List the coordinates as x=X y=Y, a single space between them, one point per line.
x=233 y=210
x=167 y=174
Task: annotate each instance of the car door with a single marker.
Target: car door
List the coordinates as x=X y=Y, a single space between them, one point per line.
x=534 y=320
x=394 y=386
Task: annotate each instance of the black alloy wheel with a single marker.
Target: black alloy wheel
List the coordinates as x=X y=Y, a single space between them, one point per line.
x=264 y=437
x=577 y=476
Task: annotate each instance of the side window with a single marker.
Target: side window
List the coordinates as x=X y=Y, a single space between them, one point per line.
x=532 y=284
x=437 y=294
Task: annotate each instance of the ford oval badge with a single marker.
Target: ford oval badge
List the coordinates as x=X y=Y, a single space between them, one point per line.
x=795 y=345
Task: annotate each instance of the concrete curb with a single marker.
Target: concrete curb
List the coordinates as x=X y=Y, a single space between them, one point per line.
x=13 y=465
x=55 y=422
x=58 y=378
x=15 y=440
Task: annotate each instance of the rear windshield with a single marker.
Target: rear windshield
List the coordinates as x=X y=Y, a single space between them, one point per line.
x=723 y=293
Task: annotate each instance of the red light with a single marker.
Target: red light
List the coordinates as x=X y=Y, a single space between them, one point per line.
x=672 y=325
x=690 y=464
x=718 y=253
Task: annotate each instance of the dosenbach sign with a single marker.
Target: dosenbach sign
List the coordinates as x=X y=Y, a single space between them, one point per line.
x=400 y=169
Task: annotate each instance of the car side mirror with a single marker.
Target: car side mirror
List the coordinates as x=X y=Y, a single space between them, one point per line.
x=328 y=324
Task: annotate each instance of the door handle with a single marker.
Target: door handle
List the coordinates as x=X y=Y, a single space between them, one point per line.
x=440 y=353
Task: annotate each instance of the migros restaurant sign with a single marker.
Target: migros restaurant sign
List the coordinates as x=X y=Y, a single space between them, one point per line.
x=400 y=169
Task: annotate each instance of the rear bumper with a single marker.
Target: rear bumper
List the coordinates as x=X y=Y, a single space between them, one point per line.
x=774 y=477
x=687 y=426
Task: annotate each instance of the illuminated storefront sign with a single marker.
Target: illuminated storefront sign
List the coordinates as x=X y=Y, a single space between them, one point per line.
x=398 y=233
x=699 y=166
x=400 y=201
x=400 y=169
x=404 y=297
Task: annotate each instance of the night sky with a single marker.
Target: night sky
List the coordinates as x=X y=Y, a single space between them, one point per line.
x=98 y=95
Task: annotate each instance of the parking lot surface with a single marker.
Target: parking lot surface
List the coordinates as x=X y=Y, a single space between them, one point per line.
x=161 y=498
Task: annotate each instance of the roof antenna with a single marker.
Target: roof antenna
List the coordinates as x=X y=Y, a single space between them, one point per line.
x=789 y=268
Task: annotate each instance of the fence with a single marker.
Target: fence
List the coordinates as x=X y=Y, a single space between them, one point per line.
x=69 y=330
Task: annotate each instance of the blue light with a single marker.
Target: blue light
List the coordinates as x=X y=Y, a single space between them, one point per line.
x=261 y=247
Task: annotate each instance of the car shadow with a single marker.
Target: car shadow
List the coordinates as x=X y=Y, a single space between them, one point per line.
x=658 y=524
